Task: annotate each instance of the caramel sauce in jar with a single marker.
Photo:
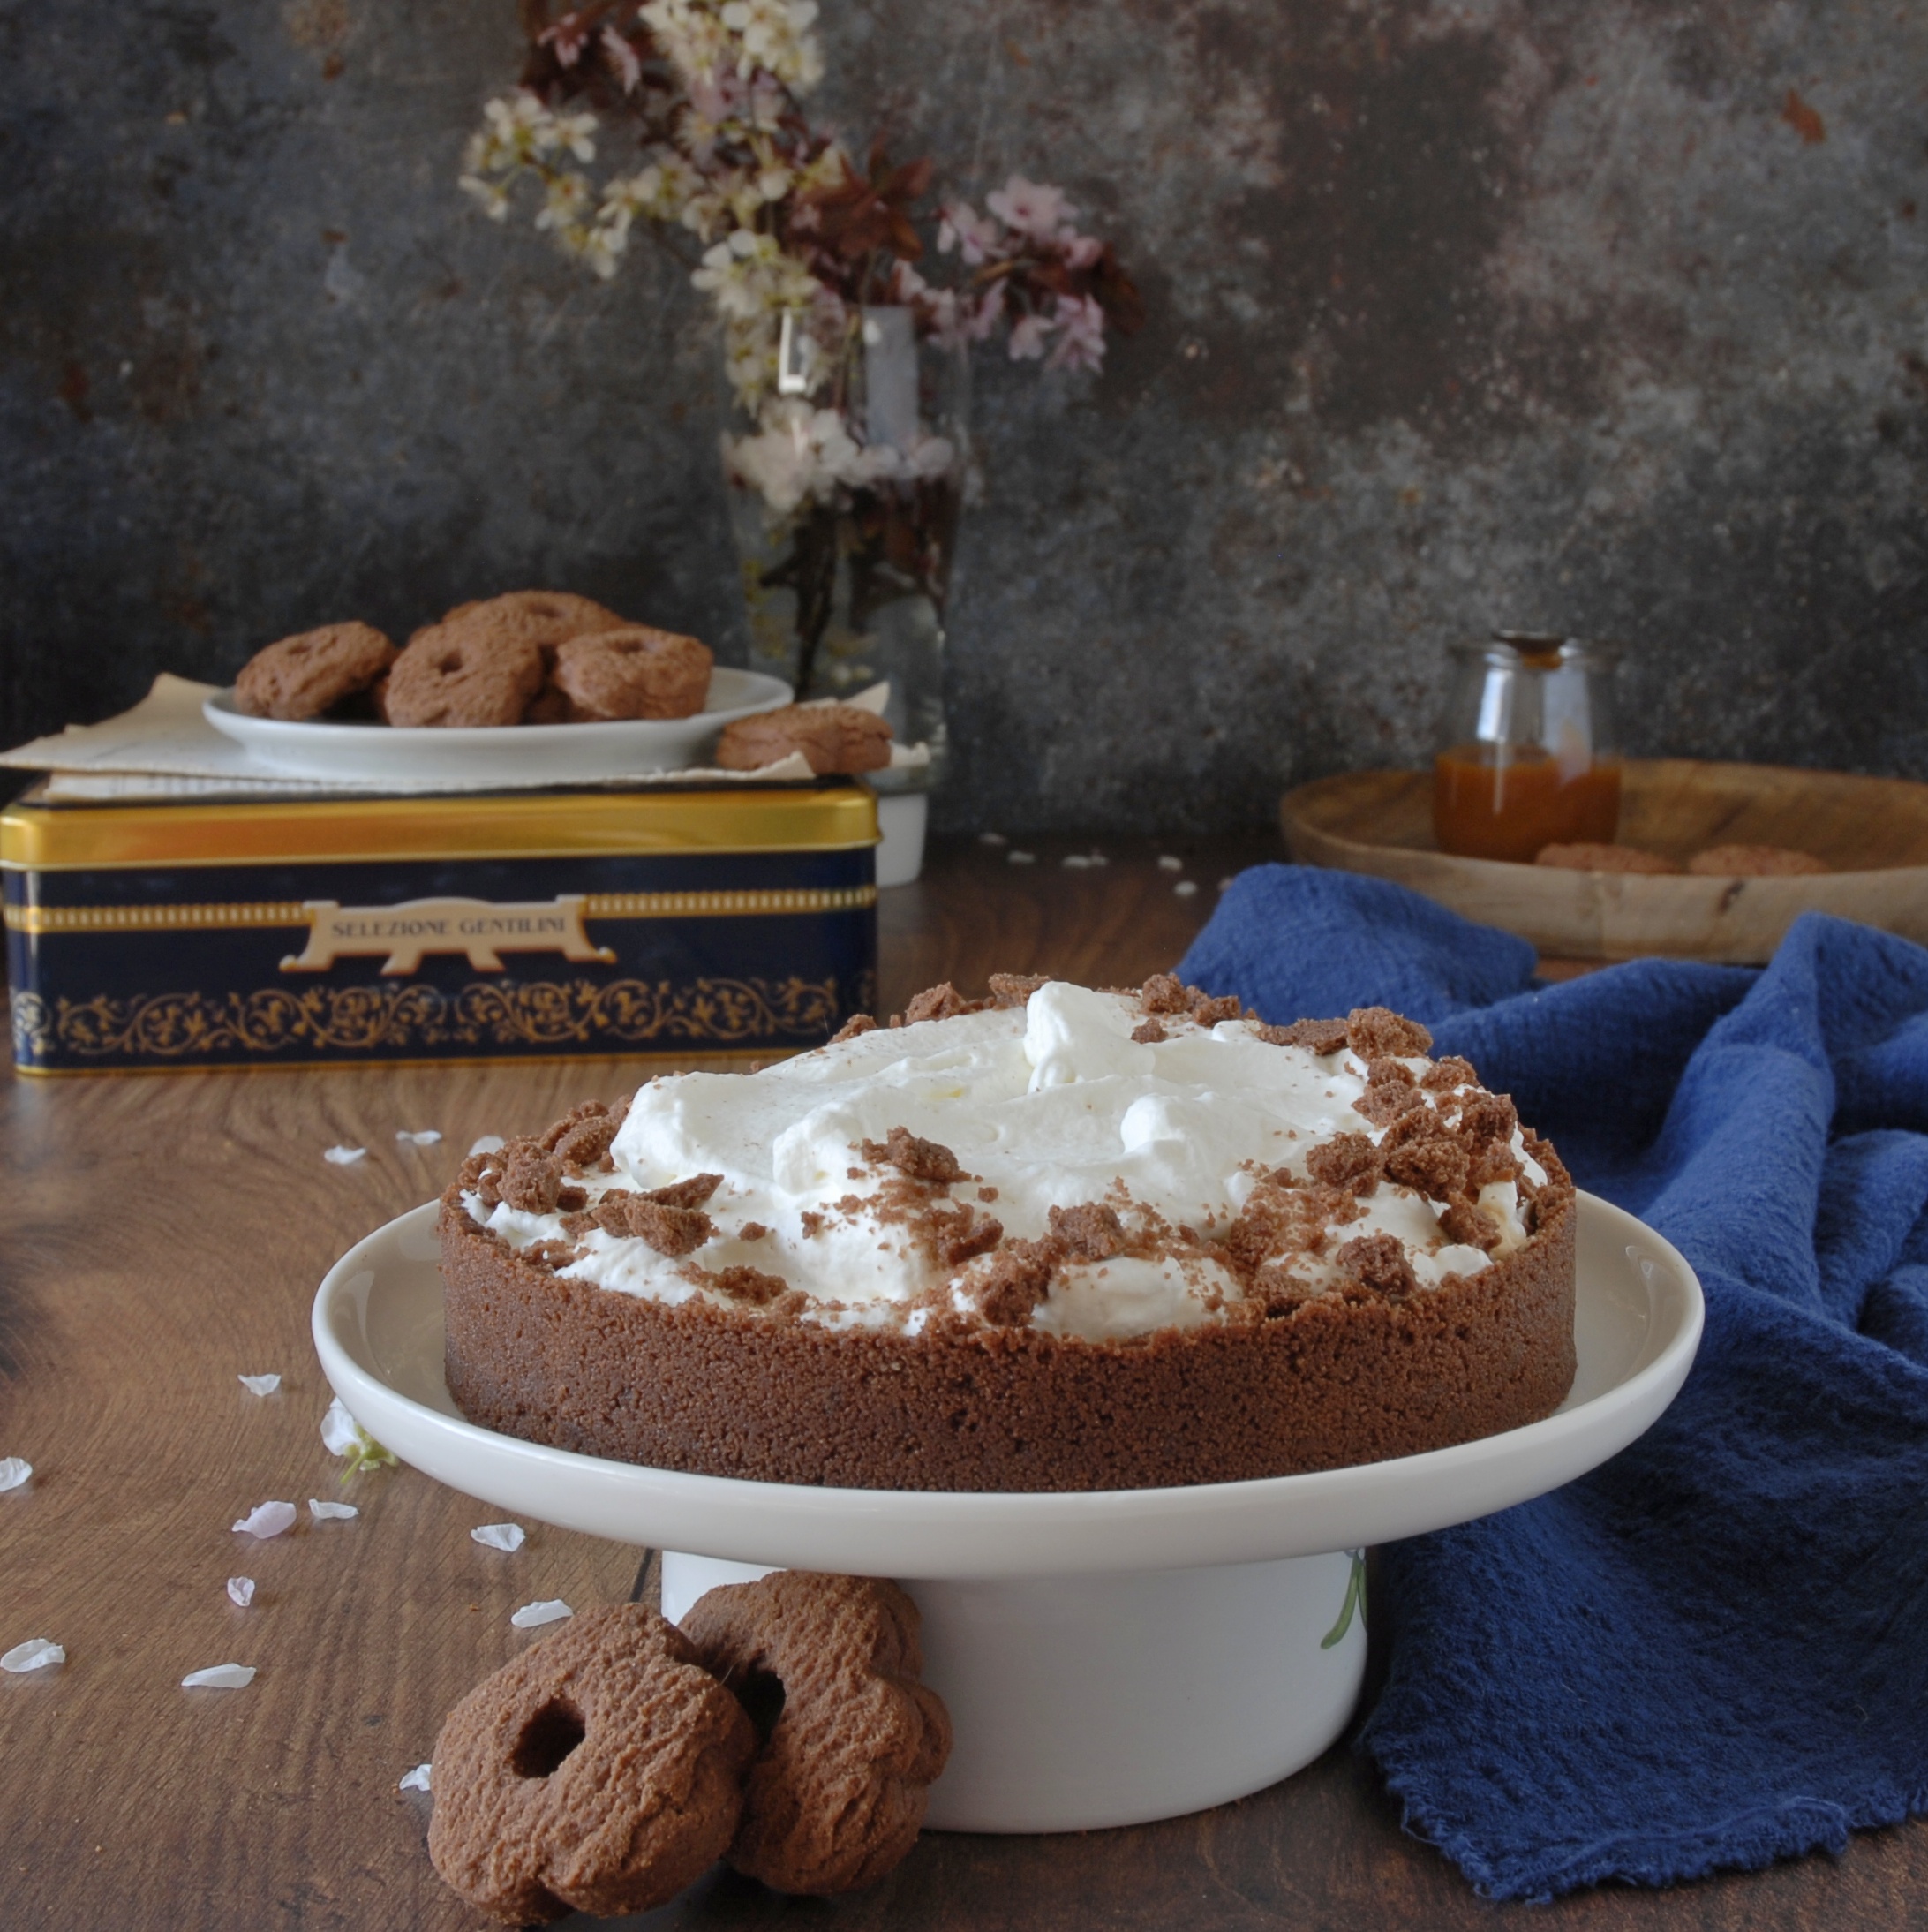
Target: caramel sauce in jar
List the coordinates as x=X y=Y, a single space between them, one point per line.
x=1486 y=808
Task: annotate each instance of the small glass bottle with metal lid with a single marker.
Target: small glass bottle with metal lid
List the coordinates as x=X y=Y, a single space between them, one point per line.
x=1529 y=748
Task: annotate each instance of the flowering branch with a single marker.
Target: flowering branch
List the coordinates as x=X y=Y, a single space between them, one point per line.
x=789 y=223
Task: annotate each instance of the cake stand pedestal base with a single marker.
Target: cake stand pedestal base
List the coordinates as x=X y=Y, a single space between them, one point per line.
x=1083 y=1702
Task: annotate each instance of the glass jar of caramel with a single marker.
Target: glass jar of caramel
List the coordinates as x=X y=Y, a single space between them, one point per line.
x=1529 y=748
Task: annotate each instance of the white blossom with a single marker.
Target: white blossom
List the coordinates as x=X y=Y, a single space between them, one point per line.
x=241 y=1591
x=260 y=1385
x=419 y=1779
x=498 y=1535
x=1035 y=208
x=325 y=1512
x=342 y=1156
x=14 y=1472
x=342 y=1435
x=421 y=1136
x=747 y=276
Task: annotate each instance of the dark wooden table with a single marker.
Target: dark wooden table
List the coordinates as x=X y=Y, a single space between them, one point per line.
x=166 y=1234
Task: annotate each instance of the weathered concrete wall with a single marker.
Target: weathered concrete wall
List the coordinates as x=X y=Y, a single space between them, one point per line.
x=1608 y=316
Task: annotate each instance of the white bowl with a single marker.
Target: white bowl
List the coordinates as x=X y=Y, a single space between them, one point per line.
x=522 y=754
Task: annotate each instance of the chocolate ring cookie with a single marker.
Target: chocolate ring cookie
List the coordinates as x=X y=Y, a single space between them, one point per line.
x=547 y=618
x=833 y=737
x=601 y=1770
x=634 y=673
x=304 y=675
x=828 y=1665
x=451 y=676
x=1754 y=862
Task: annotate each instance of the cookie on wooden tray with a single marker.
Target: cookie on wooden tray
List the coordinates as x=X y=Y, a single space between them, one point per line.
x=602 y=1770
x=833 y=738
x=1604 y=858
x=1753 y=862
x=307 y=675
x=635 y=672
x=828 y=1665
x=452 y=677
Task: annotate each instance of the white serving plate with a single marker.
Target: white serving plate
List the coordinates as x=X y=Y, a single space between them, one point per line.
x=1107 y=1656
x=515 y=754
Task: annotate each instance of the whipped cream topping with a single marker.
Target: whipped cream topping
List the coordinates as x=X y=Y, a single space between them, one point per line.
x=1049 y=1104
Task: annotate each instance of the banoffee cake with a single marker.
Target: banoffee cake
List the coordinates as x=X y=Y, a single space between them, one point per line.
x=1057 y=1239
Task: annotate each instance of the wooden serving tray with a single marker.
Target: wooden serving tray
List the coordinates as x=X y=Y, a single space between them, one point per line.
x=1873 y=832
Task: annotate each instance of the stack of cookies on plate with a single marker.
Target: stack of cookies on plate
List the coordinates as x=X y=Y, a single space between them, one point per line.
x=530 y=657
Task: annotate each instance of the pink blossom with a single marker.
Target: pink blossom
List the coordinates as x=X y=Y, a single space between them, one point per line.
x=1028 y=335
x=567 y=37
x=1032 y=208
x=977 y=328
x=1080 y=251
x=1081 y=346
x=623 y=58
x=960 y=225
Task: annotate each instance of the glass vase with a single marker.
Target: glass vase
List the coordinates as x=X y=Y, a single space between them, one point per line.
x=844 y=586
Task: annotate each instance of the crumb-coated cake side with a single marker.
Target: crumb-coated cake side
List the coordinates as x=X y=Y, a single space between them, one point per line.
x=1165 y=1243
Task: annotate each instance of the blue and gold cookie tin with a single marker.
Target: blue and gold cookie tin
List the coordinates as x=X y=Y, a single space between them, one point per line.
x=145 y=936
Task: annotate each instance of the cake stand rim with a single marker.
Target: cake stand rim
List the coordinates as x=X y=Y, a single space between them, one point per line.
x=987 y=1535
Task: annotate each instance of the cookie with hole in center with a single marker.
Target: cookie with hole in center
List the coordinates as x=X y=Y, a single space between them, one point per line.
x=833 y=738
x=637 y=672
x=453 y=677
x=545 y=618
x=303 y=677
x=1754 y=862
x=828 y=1666
x=601 y=1770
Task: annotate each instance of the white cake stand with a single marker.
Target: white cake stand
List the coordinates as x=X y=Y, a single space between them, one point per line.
x=1107 y=1657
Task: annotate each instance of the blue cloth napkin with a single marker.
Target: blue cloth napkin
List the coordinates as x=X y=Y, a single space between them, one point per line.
x=1714 y=1650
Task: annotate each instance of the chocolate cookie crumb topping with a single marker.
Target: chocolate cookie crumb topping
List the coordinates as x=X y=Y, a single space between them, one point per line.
x=668 y=1229
x=857 y=1024
x=691 y=1193
x=1150 y=1034
x=1385 y=1100
x=1379 y=1033
x=1163 y=993
x=1015 y=989
x=1091 y=1232
x=1347 y=1160
x=531 y=1181
x=1379 y=1261
x=913 y=1158
x=1464 y=1223
x=943 y=1001
x=1019 y=1278
x=1315 y=1036
x=750 y=1285
x=1437 y=1167
x=752 y=1231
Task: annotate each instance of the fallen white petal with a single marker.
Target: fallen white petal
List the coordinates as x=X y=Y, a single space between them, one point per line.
x=220 y=1677
x=1075 y=861
x=1186 y=887
x=260 y=1384
x=331 y=1512
x=1097 y=858
x=268 y=1520
x=416 y=1780
x=14 y=1470
x=424 y=1137
x=489 y=1143
x=1167 y=863
x=34 y=1654
x=498 y=1535
x=553 y=1611
x=339 y=1430
x=241 y=1590
x=1020 y=858
x=992 y=838
x=343 y=1156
